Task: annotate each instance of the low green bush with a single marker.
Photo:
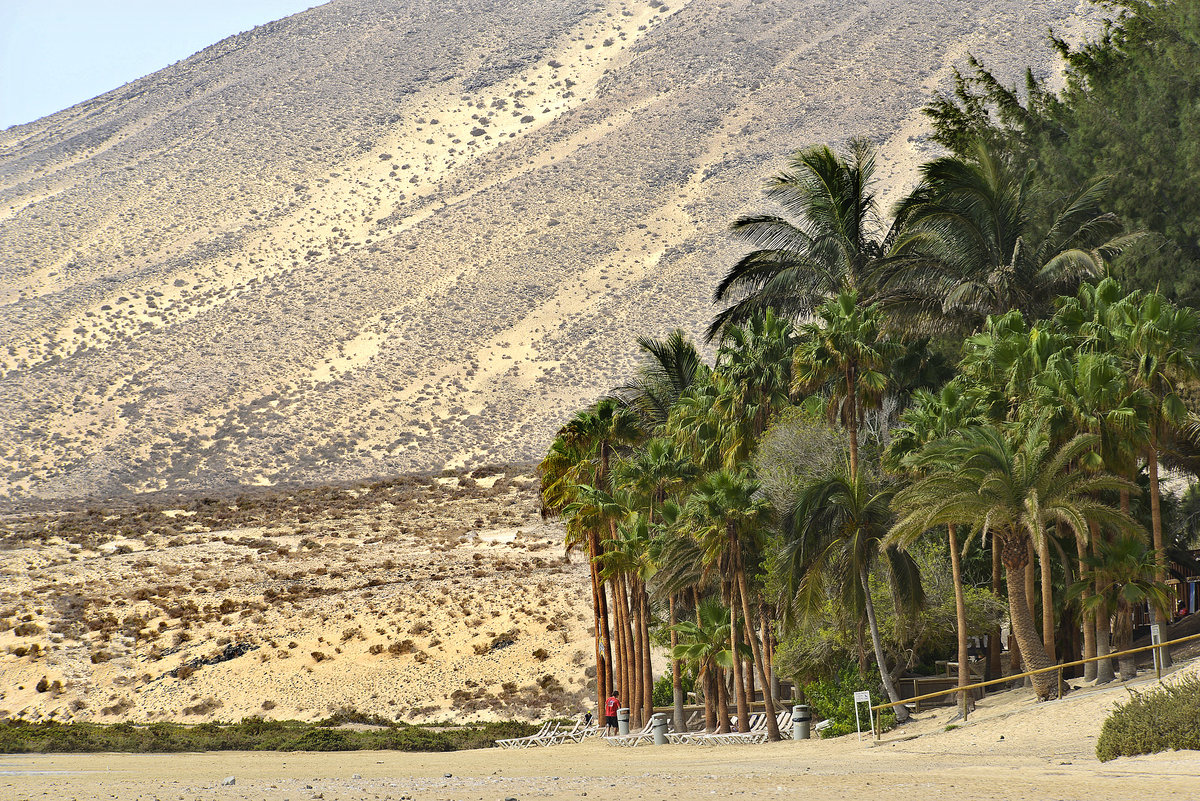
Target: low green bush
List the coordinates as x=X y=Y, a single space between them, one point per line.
x=832 y=699
x=1163 y=719
x=251 y=734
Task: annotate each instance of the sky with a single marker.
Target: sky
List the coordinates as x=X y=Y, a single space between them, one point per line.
x=56 y=53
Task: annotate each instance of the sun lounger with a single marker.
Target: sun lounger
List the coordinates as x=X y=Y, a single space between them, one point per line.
x=573 y=735
x=756 y=721
x=761 y=734
x=548 y=729
x=585 y=733
x=632 y=739
x=512 y=742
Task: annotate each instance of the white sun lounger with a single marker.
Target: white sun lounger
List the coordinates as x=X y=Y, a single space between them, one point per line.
x=757 y=721
x=633 y=738
x=759 y=734
x=572 y=735
x=548 y=728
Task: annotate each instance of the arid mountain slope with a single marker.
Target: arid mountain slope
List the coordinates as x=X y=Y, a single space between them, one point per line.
x=381 y=237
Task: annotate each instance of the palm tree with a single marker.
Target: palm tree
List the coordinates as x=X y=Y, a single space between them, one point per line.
x=752 y=378
x=563 y=471
x=930 y=419
x=726 y=514
x=1012 y=492
x=629 y=560
x=1125 y=569
x=832 y=244
x=1089 y=391
x=970 y=247
x=654 y=473
x=832 y=540
x=682 y=573
x=1002 y=365
x=581 y=456
x=1161 y=344
x=653 y=476
x=706 y=645
x=672 y=365
x=844 y=354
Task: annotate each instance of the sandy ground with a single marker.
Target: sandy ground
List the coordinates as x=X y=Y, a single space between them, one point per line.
x=1012 y=748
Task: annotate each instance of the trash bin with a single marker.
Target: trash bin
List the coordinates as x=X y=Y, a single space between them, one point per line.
x=801 y=721
x=658 y=724
x=623 y=721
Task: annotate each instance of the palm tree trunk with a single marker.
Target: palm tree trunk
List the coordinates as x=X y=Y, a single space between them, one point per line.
x=1030 y=589
x=1047 y=582
x=601 y=667
x=748 y=667
x=711 y=712
x=739 y=687
x=1124 y=636
x=888 y=686
x=723 y=724
x=960 y=614
x=604 y=684
x=647 y=668
x=635 y=623
x=676 y=667
x=632 y=691
x=768 y=641
x=1089 y=616
x=606 y=636
x=1160 y=553
x=1104 y=667
x=768 y=702
x=621 y=612
x=995 y=667
x=1016 y=559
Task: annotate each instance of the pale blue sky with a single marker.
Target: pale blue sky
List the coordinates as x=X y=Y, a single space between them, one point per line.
x=56 y=53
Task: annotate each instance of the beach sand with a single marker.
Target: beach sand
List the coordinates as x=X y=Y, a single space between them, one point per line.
x=1011 y=748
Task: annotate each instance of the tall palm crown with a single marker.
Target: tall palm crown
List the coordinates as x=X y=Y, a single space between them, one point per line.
x=833 y=241
x=654 y=472
x=844 y=355
x=671 y=366
x=752 y=377
x=970 y=247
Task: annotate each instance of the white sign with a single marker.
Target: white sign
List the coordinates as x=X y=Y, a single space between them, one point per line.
x=863 y=697
x=1156 y=639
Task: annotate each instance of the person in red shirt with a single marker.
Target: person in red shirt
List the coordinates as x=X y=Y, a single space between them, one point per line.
x=610 y=711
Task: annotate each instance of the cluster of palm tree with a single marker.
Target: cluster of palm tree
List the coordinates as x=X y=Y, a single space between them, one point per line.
x=1065 y=392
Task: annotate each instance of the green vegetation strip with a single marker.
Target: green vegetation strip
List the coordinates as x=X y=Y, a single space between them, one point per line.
x=251 y=734
x=1164 y=719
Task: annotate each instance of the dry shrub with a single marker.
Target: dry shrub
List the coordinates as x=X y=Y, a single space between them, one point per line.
x=1163 y=719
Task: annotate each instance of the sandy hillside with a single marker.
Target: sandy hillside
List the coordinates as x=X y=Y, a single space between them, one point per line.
x=406 y=599
x=1011 y=750
x=381 y=237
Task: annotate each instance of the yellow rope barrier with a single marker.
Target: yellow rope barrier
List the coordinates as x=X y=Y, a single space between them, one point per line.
x=1007 y=679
